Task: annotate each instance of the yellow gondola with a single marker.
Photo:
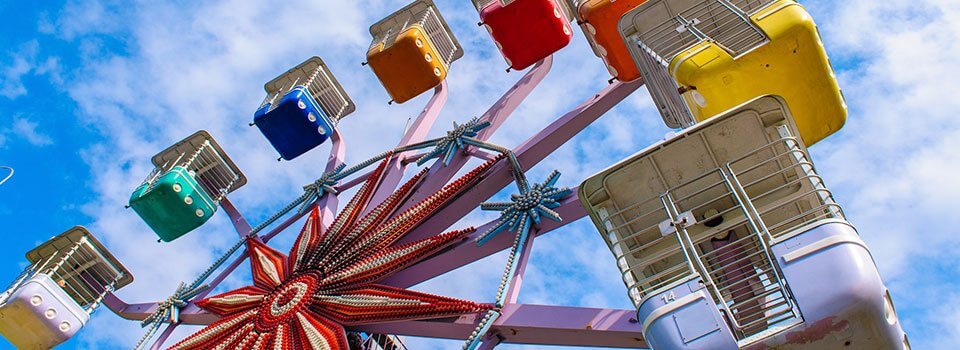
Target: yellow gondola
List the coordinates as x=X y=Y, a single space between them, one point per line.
x=723 y=53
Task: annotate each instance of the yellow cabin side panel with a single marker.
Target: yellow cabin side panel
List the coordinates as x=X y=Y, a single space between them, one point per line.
x=793 y=65
x=409 y=67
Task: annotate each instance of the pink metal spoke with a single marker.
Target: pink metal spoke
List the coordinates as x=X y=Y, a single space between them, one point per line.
x=496 y=115
x=523 y=257
x=533 y=324
x=467 y=251
x=416 y=133
x=240 y=223
x=530 y=153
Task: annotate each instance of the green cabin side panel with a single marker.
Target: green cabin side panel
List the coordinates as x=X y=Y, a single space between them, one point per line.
x=174 y=205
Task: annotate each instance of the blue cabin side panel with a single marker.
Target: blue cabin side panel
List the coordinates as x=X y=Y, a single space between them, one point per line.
x=296 y=125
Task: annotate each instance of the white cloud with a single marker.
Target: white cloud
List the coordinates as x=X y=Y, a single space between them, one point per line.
x=19 y=64
x=24 y=129
x=27 y=130
x=24 y=61
x=201 y=66
x=892 y=162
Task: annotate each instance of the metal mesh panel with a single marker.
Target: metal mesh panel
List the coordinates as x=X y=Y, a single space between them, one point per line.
x=720 y=21
x=562 y=4
x=785 y=190
x=751 y=7
x=664 y=91
x=316 y=77
x=648 y=260
x=732 y=256
x=208 y=167
x=325 y=92
x=439 y=35
x=203 y=158
x=423 y=13
x=83 y=272
x=480 y=4
x=211 y=172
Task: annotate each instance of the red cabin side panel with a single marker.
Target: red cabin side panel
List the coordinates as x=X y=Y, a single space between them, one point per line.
x=527 y=31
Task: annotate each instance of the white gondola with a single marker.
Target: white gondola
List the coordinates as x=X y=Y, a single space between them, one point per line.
x=725 y=233
x=66 y=281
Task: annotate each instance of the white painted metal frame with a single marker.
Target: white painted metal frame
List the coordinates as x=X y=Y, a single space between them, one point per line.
x=667 y=28
x=205 y=159
x=80 y=264
x=426 y=14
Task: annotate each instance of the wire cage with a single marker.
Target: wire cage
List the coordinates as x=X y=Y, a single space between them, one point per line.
x=302 y=108
x=722 y=53
x=599 y=20
x=667 y=28
x=412 y=50
x=189 y=181
x=526 y=31
x=564 y=6
x=707 y=206
x=382 y=342
x=66 y=280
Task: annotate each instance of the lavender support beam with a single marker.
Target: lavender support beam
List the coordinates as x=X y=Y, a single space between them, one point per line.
x=534 y=324
x=530 y=153
x=416 y=133
x=513 y=289
x=240 y=223
x=490 y=341
x=157 y=345
x=439 y=174
x=328 y=204
x=467 y=251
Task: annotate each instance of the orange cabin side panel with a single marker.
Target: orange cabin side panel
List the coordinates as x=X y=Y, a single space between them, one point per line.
x=409 y=67
x=601 y=19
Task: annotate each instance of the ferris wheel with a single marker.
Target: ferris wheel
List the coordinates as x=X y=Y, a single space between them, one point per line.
x=723 y=233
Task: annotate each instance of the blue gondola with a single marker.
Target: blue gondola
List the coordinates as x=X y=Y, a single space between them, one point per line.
x=302 y=108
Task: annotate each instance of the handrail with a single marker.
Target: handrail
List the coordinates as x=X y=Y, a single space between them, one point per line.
x=8 y=175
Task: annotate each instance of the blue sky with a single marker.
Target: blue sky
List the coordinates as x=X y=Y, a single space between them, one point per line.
x=90 y=89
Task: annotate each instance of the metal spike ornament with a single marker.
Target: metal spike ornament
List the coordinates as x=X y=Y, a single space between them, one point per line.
x=304 y=300
x=527 y=208
x=447 y=146
x=518 y=215
x=325 y=184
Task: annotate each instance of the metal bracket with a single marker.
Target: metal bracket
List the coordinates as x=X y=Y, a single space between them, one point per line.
x=668 y=227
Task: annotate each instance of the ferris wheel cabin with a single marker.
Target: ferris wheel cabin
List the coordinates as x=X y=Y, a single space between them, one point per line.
x=183 y=191
x=526 y=31
x=302 y=108
x=599 y=20
x=725 y=234
x=66 y=281
x=722 y=53
x=412 y=50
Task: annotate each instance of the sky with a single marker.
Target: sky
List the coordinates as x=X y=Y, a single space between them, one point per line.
x=91 y=89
